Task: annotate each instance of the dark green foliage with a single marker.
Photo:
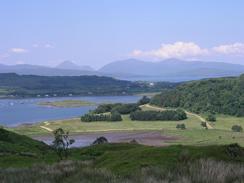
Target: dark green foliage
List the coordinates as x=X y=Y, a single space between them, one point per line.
x=126 y=108
x=144 y=100
x=31 y=86
x=119 y=107
x=223 y=95
x=14 y=143
x=181 y=126
x=62 y=142
x=236 y=128
x=234 y=150
x=211 y=118
x=204 y=124
x=126 y=158
x=100 y=140
x=167 y=115
x=114 y=116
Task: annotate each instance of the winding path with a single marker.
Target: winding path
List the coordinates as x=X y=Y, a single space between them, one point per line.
x=45 y=127
x=189 y=113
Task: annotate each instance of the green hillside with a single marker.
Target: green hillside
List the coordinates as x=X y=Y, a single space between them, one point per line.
x=20 y=150
x=222 y=95
x=31 y=86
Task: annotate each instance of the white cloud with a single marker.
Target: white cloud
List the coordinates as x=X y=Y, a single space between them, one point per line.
x=4 y=55
x=35 y=45
x=185 y=50
x=18 y=50
x=230 y=49
x=48 y=45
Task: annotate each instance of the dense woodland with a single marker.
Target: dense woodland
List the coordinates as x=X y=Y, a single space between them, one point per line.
x=222 y=95
x=31 y=86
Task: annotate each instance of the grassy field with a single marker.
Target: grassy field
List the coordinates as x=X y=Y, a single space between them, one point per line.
x=67 y=103
x=110 y=163
x=195 y=134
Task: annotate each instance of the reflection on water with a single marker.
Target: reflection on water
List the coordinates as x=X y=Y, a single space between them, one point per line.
x=19 y=111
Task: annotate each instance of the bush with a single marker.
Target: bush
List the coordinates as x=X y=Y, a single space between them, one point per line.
x=115 y=116
x=211 y=118
x=181 y=126
x=236 y=128
x=100 y=140
x=204 y=124
x=144 y=100
x=234 y=150
x=167 y=115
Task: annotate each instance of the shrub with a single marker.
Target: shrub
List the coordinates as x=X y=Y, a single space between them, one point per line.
x=181 y=126
x=236 y=128
x=211 y=118
x=115 y=116
x=100 y=140
x=134 y=141
x=204 y=124
x=144 y=100
x=234 y=150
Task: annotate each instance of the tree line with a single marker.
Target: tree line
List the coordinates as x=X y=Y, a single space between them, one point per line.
x=90 y=117
x=167 y=115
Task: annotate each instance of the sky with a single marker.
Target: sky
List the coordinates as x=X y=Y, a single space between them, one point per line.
x=97 y=32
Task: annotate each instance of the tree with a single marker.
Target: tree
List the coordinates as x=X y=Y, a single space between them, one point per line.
x=144 y=100
x=236 y=128
x=211 y=118
x=100 y=140
x=181 y=126
x=115 y=116
x=62 y=142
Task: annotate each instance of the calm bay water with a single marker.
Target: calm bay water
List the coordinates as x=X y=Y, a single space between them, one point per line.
x=18 y=111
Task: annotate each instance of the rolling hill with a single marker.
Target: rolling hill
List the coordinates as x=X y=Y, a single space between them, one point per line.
x=220 y=95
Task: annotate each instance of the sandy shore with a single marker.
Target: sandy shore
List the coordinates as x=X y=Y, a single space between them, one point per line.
x=153 y=138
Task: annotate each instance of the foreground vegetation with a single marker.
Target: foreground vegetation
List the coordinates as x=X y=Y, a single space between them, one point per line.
x=26 y=160
x=222 y=96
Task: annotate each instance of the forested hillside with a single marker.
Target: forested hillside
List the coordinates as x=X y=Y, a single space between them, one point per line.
x=32 y=86
x=222 y=95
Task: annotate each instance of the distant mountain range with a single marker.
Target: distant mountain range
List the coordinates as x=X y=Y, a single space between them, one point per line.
x=132 y=69
x=64 y=69
x=171 y=70
x=72 y=66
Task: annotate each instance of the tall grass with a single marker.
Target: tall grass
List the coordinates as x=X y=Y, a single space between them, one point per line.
x=201 y=171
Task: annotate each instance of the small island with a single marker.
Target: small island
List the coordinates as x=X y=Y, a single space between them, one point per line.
x=67 y=103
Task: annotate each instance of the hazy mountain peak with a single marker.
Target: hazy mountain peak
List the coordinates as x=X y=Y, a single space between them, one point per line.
x=72 y=66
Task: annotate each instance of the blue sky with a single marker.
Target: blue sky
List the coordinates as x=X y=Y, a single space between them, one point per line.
x=94 y=33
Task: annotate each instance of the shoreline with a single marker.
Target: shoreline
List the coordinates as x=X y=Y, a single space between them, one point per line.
x=145 y=137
